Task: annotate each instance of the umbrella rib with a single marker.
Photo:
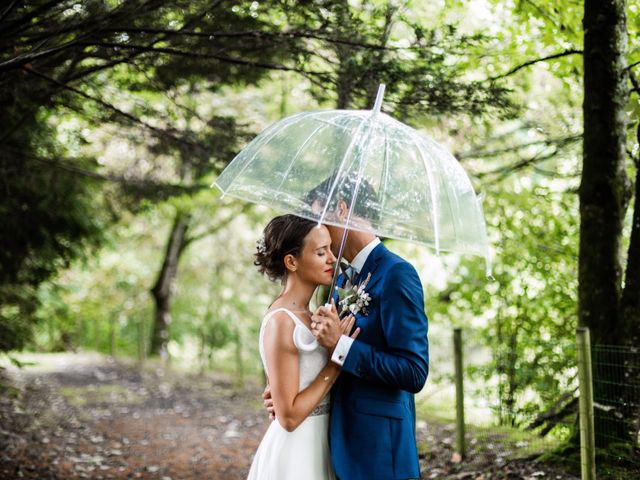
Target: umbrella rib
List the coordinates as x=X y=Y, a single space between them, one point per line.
x=385 y=174
x=456 y=165
x=434 y=201
x=257 y=147
x=346 y=115
x=363 y=163
x=335 y=181
x=298 y=153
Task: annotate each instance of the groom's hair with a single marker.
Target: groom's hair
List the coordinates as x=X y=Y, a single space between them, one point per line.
x=367 y=205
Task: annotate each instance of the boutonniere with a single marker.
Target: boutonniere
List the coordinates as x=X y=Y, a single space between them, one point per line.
x=354 y=299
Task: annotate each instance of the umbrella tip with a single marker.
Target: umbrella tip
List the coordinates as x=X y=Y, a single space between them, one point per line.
x=378 y=104
x=488 y=262
x=215 y=184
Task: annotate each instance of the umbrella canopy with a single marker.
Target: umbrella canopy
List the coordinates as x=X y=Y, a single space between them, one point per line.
x=400 y=184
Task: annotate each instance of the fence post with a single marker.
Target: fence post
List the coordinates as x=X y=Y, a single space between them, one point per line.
x=457 y=354
x=587 y=433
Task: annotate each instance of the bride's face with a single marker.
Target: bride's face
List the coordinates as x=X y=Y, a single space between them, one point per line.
x=316 y=261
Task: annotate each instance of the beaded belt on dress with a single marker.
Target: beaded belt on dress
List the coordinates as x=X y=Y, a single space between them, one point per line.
x=320 y=410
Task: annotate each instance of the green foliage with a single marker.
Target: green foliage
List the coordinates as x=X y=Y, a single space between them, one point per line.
x=366 y=43
x=49 y=218
x=118 y=115
x=18 y=302
x=527 y=315
x=65 y=70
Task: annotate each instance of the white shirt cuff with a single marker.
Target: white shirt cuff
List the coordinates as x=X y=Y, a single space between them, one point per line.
x=342 y=350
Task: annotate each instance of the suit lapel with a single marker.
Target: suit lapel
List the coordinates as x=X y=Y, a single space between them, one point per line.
x=371 y=264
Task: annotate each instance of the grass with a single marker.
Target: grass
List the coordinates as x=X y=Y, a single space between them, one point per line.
x=485 y=436
x=97 y=394
x=435 y=411
x=517 y=443
x=44 y=362
x=619 y=462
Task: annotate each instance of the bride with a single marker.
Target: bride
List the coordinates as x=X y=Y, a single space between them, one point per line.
x=297 y=252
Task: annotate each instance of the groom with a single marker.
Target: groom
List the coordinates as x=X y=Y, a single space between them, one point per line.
x=372 y=432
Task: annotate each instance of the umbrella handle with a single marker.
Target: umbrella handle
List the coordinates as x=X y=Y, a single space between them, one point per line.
x=376 y=110
x=334 y=280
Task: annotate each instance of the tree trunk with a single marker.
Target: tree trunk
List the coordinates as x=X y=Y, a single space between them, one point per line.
x=630 y=303
x=630 y=311
x=163 y=289
x=602 y=203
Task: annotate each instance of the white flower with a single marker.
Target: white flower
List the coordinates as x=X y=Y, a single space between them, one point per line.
x=354 y=299
x=261 y=246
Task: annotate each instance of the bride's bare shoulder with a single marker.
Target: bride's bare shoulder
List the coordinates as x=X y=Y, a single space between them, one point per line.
x=279 y=321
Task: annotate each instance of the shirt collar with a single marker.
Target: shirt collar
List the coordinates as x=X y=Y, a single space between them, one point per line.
x=360 y=259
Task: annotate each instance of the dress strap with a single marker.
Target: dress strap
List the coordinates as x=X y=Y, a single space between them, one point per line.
x=292 y=315
x=298 y=339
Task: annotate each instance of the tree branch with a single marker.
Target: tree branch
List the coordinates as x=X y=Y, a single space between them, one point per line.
x=537 y=60
x=26 y=20
x=634 y=82
x=502 y=172
x=558 y=141
x=209 y=231
x=7 y=10
x=159 y=131
x=133 y=55
x=134 y=183
x=21 y=60
x=304 y=34
x=188 y=54
x=548 y=173
x=169 y=96
x=542 y=12
x=555 y=414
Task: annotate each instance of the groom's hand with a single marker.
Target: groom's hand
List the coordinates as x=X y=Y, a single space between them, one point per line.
x=328 y=328
x=268 y=403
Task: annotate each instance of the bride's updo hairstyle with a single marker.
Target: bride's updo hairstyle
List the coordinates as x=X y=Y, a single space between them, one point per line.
x=284 y=235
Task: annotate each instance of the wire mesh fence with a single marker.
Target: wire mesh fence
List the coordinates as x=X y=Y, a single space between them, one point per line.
x=505 y=422
x=616 y=410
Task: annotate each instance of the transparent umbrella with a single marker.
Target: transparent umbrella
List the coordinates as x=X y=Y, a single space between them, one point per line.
x=403 y=185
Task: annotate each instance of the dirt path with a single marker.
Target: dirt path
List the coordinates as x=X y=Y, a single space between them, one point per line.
x=103 y=420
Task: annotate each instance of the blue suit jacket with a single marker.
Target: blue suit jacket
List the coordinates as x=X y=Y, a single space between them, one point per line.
x=372 y=433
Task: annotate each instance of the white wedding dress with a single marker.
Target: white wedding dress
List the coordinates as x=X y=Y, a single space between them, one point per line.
x=303 y=453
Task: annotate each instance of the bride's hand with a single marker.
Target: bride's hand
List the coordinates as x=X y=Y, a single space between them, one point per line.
x=268 y=402
x=328 y=328
x=329 y=310
x=346 y=323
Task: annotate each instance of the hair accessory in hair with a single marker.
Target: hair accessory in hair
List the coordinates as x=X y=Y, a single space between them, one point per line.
x=261 y=246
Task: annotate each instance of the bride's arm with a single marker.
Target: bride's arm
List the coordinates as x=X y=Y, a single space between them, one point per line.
x=291 y=406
